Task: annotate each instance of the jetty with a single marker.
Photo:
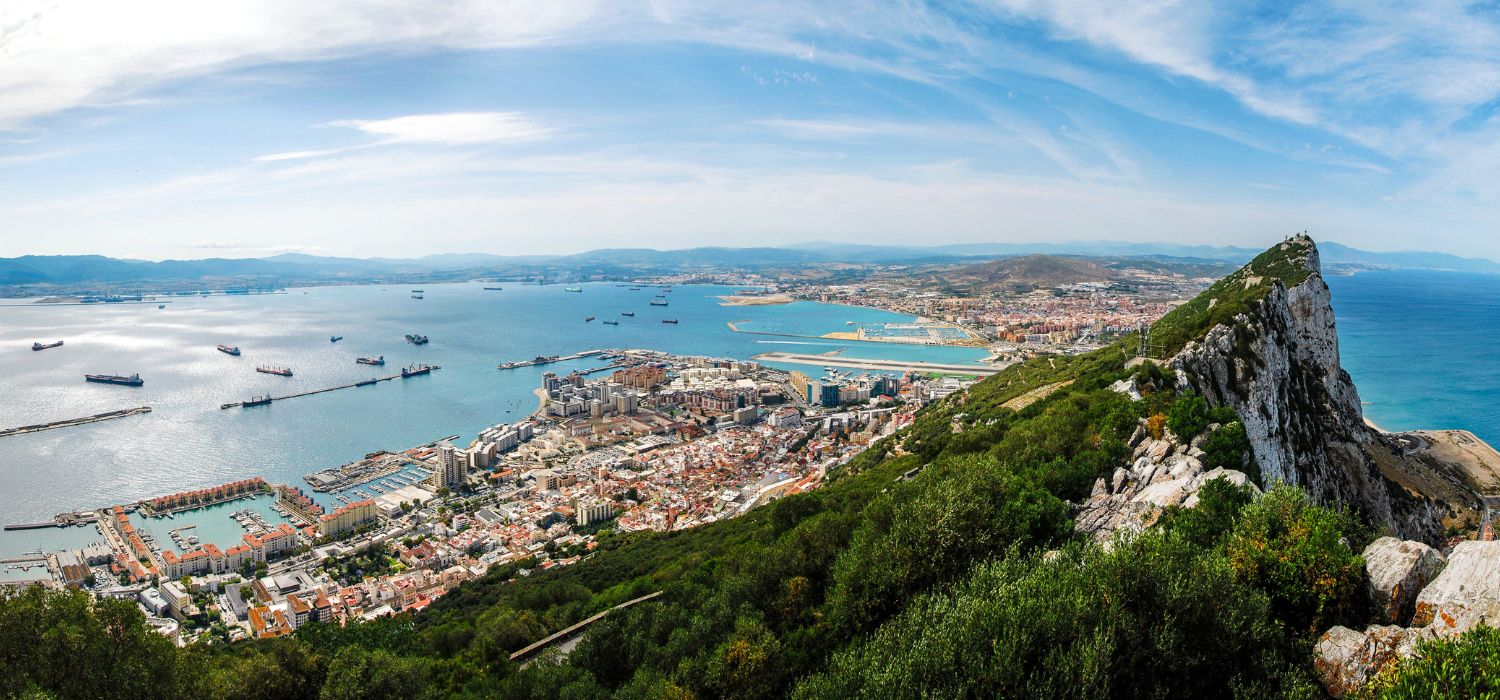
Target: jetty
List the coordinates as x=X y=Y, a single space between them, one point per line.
x=108 y=415
x=237 y=404
x=548 y=359
x=878 y=365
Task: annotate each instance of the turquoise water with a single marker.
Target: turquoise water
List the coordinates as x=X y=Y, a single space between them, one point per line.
x=1421 y=348
x=188 y=442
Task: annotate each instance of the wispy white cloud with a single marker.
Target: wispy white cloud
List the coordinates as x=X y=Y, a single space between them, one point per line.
x=452 y=129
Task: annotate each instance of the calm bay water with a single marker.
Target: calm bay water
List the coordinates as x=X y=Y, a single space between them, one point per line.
x=188 y=442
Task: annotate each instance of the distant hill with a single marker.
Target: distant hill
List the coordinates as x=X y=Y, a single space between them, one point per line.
x=1025 y=265
x=1023 y=273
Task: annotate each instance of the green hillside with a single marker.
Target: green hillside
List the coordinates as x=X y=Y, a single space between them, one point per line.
x=877 y=585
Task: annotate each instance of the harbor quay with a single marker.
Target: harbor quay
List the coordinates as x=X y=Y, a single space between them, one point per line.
x=645 y=441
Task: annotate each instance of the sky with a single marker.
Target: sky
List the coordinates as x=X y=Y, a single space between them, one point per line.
x=246 y=128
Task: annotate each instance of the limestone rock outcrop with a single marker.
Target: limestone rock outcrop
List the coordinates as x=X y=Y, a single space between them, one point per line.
x=1163 y=474
x=1466 y=593
x=1344 y=658
x=1278 y=367
x=1398 y=571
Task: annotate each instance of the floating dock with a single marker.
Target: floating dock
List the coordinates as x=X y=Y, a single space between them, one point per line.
x=324 y=390
x=110 y=415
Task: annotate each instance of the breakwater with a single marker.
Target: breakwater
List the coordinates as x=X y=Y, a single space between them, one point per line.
x=108 y=415
x=367 y=382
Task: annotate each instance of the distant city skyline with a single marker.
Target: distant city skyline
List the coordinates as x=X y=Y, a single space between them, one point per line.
x=389 y=129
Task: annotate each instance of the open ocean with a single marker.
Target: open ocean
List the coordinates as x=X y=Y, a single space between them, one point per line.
x=1422 y=348
x=187 y=442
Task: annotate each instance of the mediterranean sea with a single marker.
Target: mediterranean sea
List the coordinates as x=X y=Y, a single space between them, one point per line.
x=188 y=442
x=1422 y=349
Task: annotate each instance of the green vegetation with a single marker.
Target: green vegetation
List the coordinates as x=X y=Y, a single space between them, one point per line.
x=1231 y=296
x=921 y=568
x=1466 y=667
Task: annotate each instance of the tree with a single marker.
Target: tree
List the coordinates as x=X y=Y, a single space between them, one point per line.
x=1188 y=416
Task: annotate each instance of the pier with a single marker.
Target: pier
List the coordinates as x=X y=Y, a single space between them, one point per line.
x=108 y=415
x=547 y=360
x=877 y=365
x=324 y=390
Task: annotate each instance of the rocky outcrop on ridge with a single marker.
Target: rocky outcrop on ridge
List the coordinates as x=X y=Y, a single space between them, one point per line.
x=1464 y=593
x=1278 y=367
x=1164 y=473
x=1398 y=571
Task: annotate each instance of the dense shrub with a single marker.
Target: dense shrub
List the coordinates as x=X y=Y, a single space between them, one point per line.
x=1466 y=667
x=1188 y=416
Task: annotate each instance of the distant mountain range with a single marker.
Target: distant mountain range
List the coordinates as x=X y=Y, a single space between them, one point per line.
x=34 y=273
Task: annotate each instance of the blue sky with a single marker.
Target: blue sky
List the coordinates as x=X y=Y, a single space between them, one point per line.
x=179 y=129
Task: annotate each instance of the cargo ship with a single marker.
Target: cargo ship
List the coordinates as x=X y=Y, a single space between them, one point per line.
x=132 y=380
x=335 y=338
x=48 y=346
x=377 y=361
x=658 y=302
x=258 y=401
x=366 y=382
x=416 y=296
x=635 y=289
x=572 y=289
x=416 y=291
x=230 y=350
x=415 y=371
x=278 y=371
x=672 y=321
x=612 y=323
x=416 y=339
x=494 y=289
x=589 y=319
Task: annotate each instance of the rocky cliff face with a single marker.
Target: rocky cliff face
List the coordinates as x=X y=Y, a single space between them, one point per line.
x=1278 y=367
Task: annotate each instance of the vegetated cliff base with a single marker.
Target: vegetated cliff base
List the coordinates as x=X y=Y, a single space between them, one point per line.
x=1274 y=358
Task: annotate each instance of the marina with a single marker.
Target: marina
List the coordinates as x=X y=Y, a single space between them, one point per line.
x=263 y=400
x=97 y=417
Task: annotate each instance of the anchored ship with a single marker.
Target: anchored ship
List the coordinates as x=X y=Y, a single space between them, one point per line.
x=494 y=289
x=278 y=371
x=612 y=323
x=230 y=350
x=335 y=338
x=589 y=319
x=658 y=302
x=627 y=313
x=415 y=370
x=416 y=339
x=669 y=320
x=377 y=361
x=258 y=401
x=366 y=382
x=132 y=380
x=572 y=289
x=39 y=346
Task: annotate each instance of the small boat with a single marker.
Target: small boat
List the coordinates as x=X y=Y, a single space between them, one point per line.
x=672 y=321
x=416 y=296
x=572 y=289
x=230 y=350
x=335 y=338
x=161 y=306
x=132 y=380
x=589 y=319
x=48 y=346
x=635 y=289
x=628 y=313
x=278 y=371
x=415 y=339
x=377 y=361
x=612 y=323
